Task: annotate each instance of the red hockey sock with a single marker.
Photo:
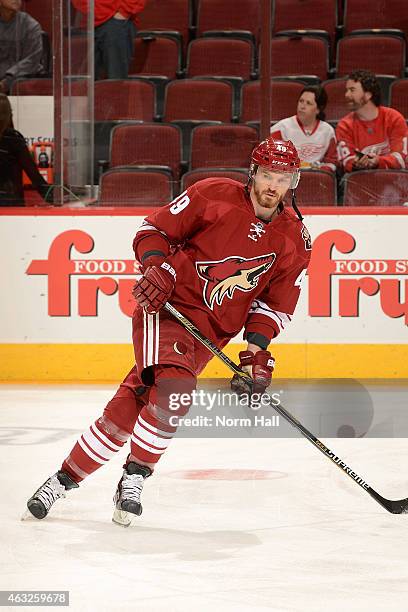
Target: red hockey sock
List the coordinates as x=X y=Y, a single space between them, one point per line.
x=157 y=421
x=108 y=434
x=150 y=437
x=94 y=448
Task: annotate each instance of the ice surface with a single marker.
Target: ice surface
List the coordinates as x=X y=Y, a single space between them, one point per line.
x=304 y=538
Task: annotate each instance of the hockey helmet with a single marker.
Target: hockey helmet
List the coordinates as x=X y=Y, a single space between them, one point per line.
x=278 y=155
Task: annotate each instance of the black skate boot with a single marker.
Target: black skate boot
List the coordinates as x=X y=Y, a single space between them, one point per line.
x=127 y=497
x=54 y=488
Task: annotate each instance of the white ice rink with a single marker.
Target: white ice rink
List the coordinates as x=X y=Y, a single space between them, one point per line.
x=303 y=537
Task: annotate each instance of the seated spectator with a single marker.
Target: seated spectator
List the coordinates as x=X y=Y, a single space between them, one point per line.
x=314 y=138
x=21 y=45
x=371 y=136
x=115 y=29
x=14 y=158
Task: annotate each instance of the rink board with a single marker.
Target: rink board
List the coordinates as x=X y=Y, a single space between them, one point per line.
x=66 y=302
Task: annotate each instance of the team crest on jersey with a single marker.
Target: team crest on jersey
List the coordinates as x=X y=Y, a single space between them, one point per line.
x=307 y=238
x=224 y=276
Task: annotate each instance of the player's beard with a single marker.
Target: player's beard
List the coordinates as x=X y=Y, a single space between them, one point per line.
x=267 y=199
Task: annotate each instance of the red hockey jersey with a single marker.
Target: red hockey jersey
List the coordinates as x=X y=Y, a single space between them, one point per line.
x=385 y=136
x=233 y=270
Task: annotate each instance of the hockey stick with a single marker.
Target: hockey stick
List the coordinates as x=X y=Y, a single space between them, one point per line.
x=399 y=506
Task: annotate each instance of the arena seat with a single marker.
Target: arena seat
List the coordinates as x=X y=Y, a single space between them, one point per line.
x=156 y=55
x=189 y=102
x=146 y=144
x=41 y=12
x=220 y=57
x=317 y=188
x=222 y=145
x=75 y=54
x=172 y=16
x=379 y=53
x=198 y=100
x=376 y=188
x=369 y=14
x=300 y=15
x=399 y=96
x=144 y=186
x=189 y=178
x=299 y=55
x=122 y=100
x=336 y=107
x=284 y=96
x=32 y=87
x=238 y=16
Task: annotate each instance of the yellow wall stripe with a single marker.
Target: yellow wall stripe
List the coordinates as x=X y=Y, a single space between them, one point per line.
x=110 y=362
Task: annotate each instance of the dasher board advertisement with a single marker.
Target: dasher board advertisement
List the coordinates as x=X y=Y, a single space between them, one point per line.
x=66 y=314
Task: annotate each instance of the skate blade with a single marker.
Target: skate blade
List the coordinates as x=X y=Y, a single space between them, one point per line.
x=122 y=518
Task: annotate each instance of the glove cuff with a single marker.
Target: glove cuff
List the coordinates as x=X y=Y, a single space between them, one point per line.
x=246 y=358
x=166 y=266
x=265 y=359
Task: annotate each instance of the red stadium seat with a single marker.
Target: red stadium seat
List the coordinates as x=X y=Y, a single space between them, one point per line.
x=222 y=145
x=170 y=16
x=299 y=55
x=399 y=96
x=41 y=12
x=135 y=187
x=336 y=107
x=156 y=55
x=129 y=99
x=309 y=15
x=146 y=144
x=317 y=188
x=378 y=53
x=284 y=97
x=229 y=15
x=376 y=188
x=220 y=57
x=238 y=174
x=198 y=100
x=369 y=14
x=75 y=55
x=32 y=87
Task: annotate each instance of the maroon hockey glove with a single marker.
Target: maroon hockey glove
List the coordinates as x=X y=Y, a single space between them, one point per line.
x=260 y=366
x=155 y=287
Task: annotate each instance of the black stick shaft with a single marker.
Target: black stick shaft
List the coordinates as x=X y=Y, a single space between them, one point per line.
x=392 y=506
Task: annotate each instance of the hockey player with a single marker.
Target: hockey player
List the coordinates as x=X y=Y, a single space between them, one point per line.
x=314 y=138
x=227 y=256
x=371 y=136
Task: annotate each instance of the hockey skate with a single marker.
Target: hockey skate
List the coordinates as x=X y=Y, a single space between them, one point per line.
x=127 y=497
x=54 y=488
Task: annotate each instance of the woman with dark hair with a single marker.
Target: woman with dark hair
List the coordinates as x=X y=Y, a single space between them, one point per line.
x=314 y=138
x=14 y=158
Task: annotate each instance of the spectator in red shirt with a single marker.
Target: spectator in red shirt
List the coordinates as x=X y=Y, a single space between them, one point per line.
x=115 y=28
x=371 y=136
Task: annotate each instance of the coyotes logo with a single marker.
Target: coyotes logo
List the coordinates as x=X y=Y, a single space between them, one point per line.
x=223 y=277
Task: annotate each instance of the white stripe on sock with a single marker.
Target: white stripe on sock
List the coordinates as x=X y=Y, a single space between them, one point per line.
x=90 y=453
x=108 y=442
x=97 y=446
x=155 y=451
x=150 y=438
